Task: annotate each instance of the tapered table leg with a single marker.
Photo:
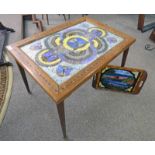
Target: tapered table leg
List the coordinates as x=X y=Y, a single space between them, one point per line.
x=125 y=54
x=61 y=113
x=22 y=72
x=42 y=16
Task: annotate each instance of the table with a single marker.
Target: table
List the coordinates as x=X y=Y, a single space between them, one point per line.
x=62 y=58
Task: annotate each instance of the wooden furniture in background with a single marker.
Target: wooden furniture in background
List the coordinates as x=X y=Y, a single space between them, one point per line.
x=60 y=92
x=46 y=17
x=64 y=15
x=37 y=22
x=141 y=24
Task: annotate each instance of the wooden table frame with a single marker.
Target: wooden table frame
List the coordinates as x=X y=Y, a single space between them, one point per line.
x=60 y=93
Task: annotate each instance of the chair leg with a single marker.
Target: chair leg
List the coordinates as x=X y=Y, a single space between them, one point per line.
x=37 y=22
x=46 y=15
x=84 y=15
x=64 y=17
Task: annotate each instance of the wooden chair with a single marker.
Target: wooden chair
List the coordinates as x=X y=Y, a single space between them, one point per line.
x=34 y=19
x=37 y=22
x=46 y=17
x=64 y=15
